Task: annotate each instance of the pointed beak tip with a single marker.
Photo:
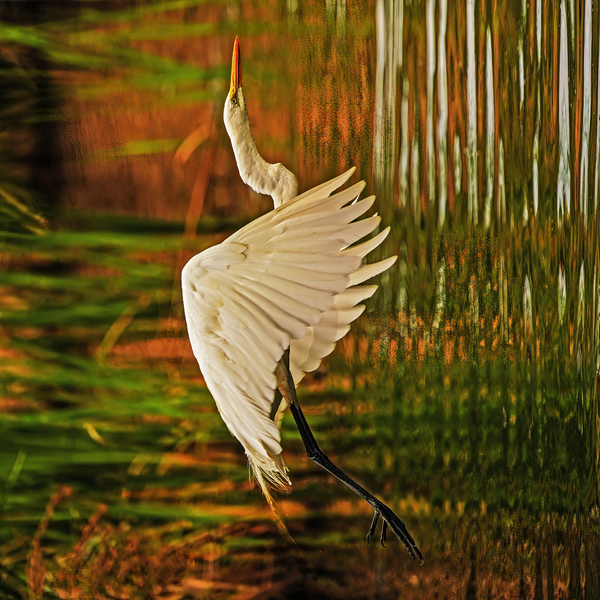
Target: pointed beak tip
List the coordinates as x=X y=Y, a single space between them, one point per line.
x=236 y=74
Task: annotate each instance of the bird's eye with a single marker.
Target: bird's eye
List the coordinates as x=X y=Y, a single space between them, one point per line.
x=234 y=100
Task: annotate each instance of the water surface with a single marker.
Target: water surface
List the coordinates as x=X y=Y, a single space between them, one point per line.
x=466 y=396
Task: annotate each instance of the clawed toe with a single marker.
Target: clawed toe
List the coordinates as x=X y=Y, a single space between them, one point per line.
x=383 y=533
x=390 y=519
x=371 y=531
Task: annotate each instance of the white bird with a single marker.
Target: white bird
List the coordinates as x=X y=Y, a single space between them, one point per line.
x=265 y=306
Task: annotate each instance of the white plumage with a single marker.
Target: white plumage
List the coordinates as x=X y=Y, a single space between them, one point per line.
x=291 y=278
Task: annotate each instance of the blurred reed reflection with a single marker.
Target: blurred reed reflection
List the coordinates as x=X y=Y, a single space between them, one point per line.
x=468 y=393
x=493 y=382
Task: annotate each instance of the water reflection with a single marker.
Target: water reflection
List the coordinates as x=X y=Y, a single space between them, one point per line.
x=442 y=129
x=473 y=209
x=468 y=393
x=501 y=364
x=564 y=135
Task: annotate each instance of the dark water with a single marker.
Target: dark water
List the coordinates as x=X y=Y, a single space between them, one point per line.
x=466 y=396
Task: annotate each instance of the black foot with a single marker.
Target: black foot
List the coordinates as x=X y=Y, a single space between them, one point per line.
x=371 y=531
x=383 y=533
x=383 y=537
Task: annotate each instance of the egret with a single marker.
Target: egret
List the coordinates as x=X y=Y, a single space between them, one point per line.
x=266 y=305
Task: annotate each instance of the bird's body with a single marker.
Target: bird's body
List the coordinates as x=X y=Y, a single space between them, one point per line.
x=285 y=280
x=265 y=306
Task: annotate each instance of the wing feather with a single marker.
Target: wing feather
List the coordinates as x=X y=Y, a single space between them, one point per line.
x=308 y=210
x=367 y=271
x=363 y=249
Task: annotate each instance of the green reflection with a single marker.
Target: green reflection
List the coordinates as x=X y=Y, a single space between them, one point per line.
x=467 y=394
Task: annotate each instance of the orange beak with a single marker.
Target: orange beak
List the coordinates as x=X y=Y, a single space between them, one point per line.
x=236 y=73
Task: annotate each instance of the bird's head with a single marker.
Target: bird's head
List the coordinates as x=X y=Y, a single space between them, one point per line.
x=235 y=114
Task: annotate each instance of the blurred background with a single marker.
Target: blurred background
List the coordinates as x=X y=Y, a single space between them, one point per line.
x=465 y=396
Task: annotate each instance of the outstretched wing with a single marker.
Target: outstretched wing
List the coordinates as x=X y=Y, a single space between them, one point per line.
x=265 y=287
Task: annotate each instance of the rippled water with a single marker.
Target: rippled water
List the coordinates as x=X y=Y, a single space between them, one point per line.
x=466 y=396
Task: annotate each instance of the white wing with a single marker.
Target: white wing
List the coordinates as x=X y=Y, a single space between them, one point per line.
x=284 y=280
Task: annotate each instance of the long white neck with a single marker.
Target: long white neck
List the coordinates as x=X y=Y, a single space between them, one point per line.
x=253 y=168
x=265 y=178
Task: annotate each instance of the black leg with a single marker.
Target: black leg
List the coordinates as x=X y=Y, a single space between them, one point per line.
x=287 y=388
